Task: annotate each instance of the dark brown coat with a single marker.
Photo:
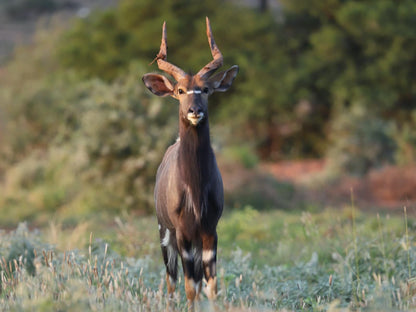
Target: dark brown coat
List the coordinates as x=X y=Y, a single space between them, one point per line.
x=189 y=192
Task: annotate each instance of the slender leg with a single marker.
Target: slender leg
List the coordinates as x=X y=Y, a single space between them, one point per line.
x=192 y=286
x=170 y=257
x=198 y=270
x=209 y=260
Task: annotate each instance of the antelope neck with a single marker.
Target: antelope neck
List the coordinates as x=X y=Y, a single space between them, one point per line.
x=198 y=135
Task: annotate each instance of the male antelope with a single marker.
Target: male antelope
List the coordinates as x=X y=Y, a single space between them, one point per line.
x=189 y=193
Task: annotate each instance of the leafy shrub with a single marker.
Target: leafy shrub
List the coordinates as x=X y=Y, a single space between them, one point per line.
x=21 y=249
x=124 y=131
x=104 y=145
x=75 y=119
x=262 y=191
x=242 y=154
x=262 y=97
x=325 y=54
x=240 y=226
x=405 y=137
x=360 y=141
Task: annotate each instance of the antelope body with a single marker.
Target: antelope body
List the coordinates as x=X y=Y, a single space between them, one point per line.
x=189 y=192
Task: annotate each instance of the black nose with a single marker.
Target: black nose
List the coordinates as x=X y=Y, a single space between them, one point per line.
x=194 y=110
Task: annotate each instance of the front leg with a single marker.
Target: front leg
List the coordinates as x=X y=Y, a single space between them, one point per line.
x=209 y=260
x=192 y=282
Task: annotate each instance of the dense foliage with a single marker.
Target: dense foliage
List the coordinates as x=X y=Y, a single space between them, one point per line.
x=92 y=146
x=327 y=78
x=360 y=56
x=300 y=71
x=104 y=45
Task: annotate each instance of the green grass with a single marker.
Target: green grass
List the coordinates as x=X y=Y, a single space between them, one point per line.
x=330 y=260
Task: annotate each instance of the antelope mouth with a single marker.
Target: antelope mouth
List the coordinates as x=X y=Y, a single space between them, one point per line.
x=195 y=119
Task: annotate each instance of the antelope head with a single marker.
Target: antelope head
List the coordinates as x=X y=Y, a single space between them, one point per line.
x=192 y=91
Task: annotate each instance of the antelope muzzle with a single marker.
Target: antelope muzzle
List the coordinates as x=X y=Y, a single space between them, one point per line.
x=195 y=115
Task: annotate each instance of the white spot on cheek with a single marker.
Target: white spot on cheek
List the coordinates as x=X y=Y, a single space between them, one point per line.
x=165 y=241
x=208 y=255
x=159 y=226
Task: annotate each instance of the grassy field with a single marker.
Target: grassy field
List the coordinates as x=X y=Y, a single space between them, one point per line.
x=331 y=260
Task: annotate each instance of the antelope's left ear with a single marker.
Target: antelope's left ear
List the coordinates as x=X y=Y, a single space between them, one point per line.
x=222 y=81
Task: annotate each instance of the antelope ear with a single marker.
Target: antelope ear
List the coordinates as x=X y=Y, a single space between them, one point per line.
x=222 y=81
x=158 y=84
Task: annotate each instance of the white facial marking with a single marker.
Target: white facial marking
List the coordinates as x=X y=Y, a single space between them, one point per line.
x=159 y=226
x=165 y=241
x=195 y=119
x=208 y=255
x=193 y=91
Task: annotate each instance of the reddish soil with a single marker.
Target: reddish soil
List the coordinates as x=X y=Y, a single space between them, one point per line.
x=389 y=188
x=294 y=171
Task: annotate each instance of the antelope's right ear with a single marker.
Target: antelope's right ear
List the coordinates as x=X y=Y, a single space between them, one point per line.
x=158 y=84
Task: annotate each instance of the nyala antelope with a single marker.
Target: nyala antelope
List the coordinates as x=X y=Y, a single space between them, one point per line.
x=189 y=191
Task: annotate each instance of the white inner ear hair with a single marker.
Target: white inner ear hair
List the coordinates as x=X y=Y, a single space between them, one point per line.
x=193 y=91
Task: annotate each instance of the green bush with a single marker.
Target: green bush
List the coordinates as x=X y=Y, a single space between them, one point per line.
x=264 y=92
x=99 y=152
x=360 y=141
x=326 y=54
x=21 y=250
x=124 y=132
x=263 y=192
x=328 y=78
x=243 y=154
x=405 y=137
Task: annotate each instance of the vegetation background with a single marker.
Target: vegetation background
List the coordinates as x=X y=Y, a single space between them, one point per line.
x=81 y=139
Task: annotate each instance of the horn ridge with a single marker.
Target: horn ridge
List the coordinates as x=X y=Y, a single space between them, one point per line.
x=217 y=61
x=161 y=58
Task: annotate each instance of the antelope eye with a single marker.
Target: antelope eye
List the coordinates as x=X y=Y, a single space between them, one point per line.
x=206 y=90
x=180 y=91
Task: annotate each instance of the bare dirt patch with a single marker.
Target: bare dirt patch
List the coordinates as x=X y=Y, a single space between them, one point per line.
x=297 y=183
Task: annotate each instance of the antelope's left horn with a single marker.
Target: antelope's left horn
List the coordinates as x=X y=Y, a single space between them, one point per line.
x=162 y=62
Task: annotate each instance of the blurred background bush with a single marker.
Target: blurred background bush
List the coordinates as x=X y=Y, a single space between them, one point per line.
x=331 y=79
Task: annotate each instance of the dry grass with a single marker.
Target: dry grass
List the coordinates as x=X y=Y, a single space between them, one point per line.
x=267 y=262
